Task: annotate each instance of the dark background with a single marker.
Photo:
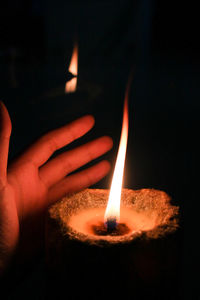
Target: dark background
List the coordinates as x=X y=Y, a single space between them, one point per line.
x=159 y=41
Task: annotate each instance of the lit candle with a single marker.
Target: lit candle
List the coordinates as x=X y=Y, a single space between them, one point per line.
x=142 y=213
x=89 y=238
x=84 y=257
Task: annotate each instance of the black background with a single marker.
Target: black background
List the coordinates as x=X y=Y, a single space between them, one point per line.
x=159 y=41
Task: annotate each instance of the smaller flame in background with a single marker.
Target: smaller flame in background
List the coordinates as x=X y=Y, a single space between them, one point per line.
x=70 y=86
x=112 y=212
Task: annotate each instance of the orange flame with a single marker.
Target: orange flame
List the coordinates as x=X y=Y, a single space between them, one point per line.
x=70 y=86
x=113 y=207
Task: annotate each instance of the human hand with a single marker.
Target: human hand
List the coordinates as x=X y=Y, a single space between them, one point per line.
x=32 y=182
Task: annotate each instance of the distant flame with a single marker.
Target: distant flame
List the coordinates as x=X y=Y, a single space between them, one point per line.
x=70 y=86
x=112 y=212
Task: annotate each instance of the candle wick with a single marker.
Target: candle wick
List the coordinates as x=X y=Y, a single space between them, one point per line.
x=111 y=224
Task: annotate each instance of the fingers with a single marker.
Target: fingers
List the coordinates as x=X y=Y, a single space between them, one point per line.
x=78 y=181
x=40 y=152
x=69 y=161
x=5 y=132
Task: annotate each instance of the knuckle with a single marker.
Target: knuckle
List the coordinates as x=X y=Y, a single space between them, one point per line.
x=4 y=138
x=2 y=183
x=90 y=154
x=5 y=133
x=65 y=164
x=50 y=143
x=72 y=133
x=90 y=178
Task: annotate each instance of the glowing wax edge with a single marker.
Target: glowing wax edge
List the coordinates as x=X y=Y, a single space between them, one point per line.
x=139 y=200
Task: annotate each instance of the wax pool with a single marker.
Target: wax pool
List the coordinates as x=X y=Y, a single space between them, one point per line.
x=86 y=220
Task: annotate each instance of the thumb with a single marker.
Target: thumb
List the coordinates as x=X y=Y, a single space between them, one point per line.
x=5 y=132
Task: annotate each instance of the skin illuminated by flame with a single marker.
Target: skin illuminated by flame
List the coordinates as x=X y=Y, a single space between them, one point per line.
x=113 y=208
x=70 y=86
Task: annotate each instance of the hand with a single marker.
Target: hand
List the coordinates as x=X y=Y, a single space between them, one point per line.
x=33 y=182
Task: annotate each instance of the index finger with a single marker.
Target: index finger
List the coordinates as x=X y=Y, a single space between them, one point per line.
x=42 y=149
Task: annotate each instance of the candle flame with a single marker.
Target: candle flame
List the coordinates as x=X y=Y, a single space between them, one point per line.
x=112 y=213
x=70 y=86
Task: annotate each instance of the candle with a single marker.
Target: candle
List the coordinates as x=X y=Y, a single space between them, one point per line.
x=96 y=238
x=144 y=213
x=87 y=259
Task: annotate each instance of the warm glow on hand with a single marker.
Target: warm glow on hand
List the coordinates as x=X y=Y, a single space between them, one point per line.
x=33 y=182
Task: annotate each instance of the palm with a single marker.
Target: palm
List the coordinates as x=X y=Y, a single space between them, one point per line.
x=33 y=182
x=30 y=192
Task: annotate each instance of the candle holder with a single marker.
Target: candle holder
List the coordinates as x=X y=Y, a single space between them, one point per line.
x=84 y=259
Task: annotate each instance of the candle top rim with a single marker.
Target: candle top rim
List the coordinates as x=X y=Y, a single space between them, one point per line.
x=143 y=201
